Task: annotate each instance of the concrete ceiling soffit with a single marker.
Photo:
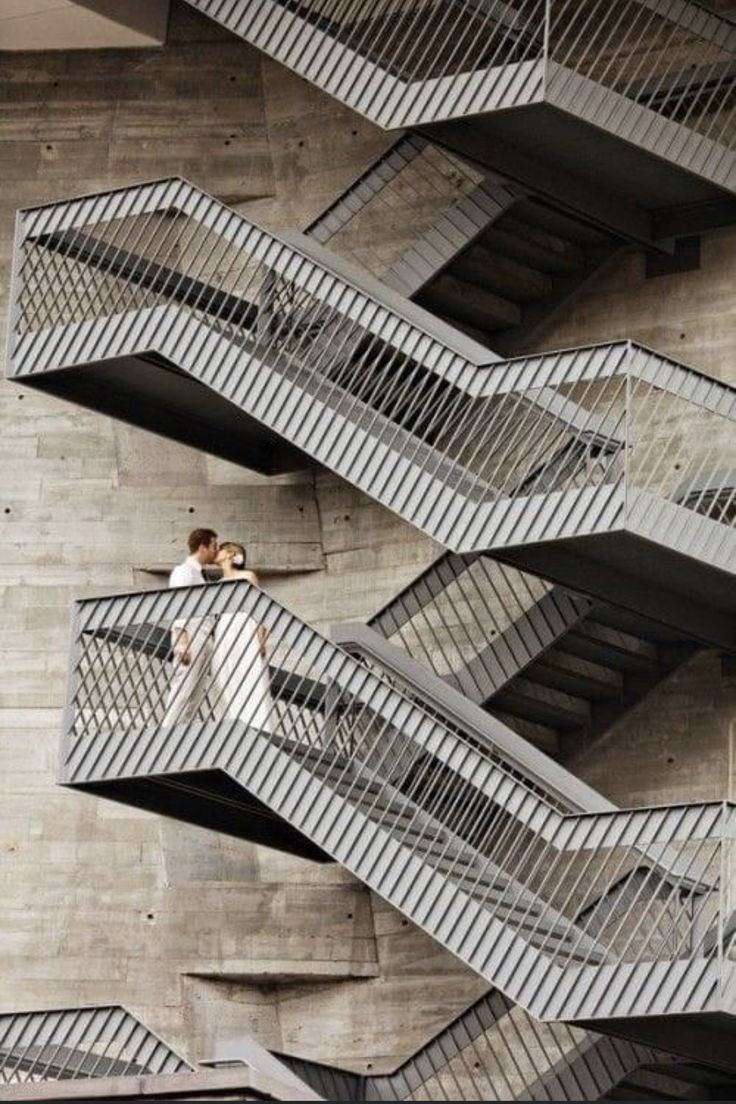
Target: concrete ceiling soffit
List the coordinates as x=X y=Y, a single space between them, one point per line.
x=82 y=24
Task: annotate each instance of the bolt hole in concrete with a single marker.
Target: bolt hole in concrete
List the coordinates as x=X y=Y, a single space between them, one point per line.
x=149 y=916
x=350 y=916
x=190 y=510
x=670 y=760
x=7 y=509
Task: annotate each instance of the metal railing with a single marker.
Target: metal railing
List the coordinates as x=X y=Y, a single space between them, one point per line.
x=73 y=1043
x=480 y=453
x=434 y=203
x=476 y=623
x=490 y=1051
x=658 y=73
x=574 y=916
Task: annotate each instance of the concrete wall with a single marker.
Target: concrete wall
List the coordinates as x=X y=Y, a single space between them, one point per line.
x=195 y=932
x=101 y=903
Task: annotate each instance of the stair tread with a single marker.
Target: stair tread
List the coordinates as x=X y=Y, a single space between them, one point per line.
x=525 y=243
x=538 y=702
x=562 y=225
x=542 y=736
x=613 y=647
x=502 y=275
x=563 y=671
x=470 y=303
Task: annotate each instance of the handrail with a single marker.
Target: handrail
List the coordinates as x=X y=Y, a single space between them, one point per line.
x=491 y=1051
x=456 y=708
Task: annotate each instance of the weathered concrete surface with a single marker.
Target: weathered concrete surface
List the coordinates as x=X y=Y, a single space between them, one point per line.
x=99 y=902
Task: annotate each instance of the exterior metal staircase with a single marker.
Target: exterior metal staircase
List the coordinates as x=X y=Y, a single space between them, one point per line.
x=636 y=94
x=476 y=249
x=79 y=1043
x=494 y=1051
x=105 y=1053
x=556 y=666
x=541 y=473
x=617 y=920
x=161 y=306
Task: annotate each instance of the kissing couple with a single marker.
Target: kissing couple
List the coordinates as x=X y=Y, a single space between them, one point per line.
x=219 y=658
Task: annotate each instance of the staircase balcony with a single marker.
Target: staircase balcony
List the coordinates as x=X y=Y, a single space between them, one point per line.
x=608 y=469
x=639 y=93
x=581 y=916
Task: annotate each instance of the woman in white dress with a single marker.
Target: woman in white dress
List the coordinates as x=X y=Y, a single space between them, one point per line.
x=240 y=683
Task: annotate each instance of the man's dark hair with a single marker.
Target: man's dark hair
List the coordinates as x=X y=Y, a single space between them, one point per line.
x=198 y=537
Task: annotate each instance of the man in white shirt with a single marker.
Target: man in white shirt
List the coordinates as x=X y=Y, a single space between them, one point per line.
x=191 y=638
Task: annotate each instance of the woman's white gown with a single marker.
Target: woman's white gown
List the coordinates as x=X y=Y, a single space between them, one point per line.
x=240 y=684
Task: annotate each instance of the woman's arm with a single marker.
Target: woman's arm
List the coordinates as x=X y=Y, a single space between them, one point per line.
x=252 y=577
x=181 y=646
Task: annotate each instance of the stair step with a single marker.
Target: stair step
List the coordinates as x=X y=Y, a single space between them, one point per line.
x=573 y=675
x=502 y=275
x=542 y=736
x=470 y=304
x=536 y=702
x=617 y=618
x=562 y=225
x=610 y=647
x=483 y=337
x=532 y=246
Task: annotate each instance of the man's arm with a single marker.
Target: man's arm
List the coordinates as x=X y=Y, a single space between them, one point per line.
x=179 y=636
